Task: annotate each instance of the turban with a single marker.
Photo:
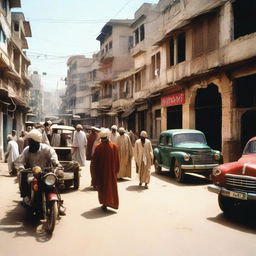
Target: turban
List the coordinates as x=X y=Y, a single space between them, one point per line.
x=79 y=126
x=9 y=137
x=104 y=133
x=143 y=134
x=34 y=135
x=121 y=129
x=114 y=127
x=95 y=129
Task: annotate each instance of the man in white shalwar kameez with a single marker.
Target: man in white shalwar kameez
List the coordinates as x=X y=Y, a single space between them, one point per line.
x=12 y=152
x=79 y=145
x=114 y=134
x=143 y=155
x=125 y=154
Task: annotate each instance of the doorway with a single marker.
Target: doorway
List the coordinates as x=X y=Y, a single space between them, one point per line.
x=208 y=115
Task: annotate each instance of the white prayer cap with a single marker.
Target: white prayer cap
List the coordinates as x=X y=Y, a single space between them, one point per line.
x=114 y=127
x=121 y=129
x=35 y=135
x=144 y=134
x=9 y=137
x=104 y=133
x=79 y=126
x=95 y=129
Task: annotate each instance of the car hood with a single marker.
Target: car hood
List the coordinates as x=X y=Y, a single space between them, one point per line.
x=193 y=146
x=244 y=166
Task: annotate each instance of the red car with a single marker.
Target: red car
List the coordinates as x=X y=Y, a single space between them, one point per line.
x=235 y=182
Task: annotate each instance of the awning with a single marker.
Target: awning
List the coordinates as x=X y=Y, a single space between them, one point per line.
x=128 y=112
x=124 y=75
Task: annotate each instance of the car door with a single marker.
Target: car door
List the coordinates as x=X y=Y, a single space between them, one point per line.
x=166 y=151
x=161 y=146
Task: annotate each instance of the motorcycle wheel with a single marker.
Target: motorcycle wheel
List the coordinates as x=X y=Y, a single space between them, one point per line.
x=52 y=211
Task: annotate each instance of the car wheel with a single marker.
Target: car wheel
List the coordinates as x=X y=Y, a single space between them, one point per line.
x=178 y=172
x=158 y=168
x=227 y=204
x=76 y=179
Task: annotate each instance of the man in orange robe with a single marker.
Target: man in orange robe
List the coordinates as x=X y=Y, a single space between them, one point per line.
x=106 y=163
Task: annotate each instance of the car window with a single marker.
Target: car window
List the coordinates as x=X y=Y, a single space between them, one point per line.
x=161 y=141
x=250 y=148
x=189 y=138
x=168 y=141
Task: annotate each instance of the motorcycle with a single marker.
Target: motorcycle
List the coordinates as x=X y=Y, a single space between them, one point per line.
x=39 y=192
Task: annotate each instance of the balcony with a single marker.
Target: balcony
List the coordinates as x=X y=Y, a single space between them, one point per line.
x=106 y=100
x=138 y=49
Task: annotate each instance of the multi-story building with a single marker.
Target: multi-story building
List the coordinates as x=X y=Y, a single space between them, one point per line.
x=202 y=67
x=78 y=92
x=14 y=81
x=115 y=42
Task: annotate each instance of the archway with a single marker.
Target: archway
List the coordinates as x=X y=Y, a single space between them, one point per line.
x=248 y=126
x=208 y=115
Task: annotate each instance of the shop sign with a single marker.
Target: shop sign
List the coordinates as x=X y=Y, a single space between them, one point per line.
x=173 y=99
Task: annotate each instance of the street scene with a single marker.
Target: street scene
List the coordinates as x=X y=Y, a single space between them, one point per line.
x=168 y=218
x=127 y=127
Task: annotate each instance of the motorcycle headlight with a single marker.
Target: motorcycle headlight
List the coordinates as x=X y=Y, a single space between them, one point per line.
x=50 y=179
x=36 y=169
x=217 y=156
x=186 y=157
x=216 y=171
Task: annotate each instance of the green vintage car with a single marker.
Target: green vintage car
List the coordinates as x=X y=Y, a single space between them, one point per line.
x=185 y=151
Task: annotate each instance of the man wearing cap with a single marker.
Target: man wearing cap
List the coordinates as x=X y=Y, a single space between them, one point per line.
x=79 y=145
x=143 y=155
x=105 y=161
x=125 y=154
x=114 y=134
x=36 y=154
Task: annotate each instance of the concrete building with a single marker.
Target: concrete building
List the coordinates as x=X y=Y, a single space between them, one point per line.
x=115 y=43
x=77 y=99
x=205 y=58
x=14 y=81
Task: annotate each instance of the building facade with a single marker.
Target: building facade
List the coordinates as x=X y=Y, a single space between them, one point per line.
x=14 y=80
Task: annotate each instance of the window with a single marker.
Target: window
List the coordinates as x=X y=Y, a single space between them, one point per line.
x=137 y=82
x=181 y=48
x=5 y=5
x=162 y=140
x=110 y=45
x=244 y=17
x=106 y=48
x=171 y=52
x=155 y=65
x=139 y=34
x=2 y=35
x=205 y=35
x=16 y=27
x=136 y=34
x=142 y=32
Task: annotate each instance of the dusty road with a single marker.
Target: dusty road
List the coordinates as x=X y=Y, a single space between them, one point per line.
x=166 y=219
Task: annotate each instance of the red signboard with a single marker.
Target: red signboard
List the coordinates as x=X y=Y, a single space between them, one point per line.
x=173 y=99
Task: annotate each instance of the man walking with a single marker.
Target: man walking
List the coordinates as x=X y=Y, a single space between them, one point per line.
x=125 y=154
x=106 y=165
x=143 y=155
x=114 y=134
x=79 y=145
x=12 y=153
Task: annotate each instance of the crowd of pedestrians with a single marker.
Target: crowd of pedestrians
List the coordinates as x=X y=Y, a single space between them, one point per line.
x=110 y=153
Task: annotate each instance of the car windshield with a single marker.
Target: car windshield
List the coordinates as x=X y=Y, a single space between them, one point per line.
x=189 y=138
x=250 y=148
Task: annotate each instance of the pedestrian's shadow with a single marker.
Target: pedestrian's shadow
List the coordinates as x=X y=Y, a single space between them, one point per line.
x=89 y=189
x=135 y=188
x=98 y=212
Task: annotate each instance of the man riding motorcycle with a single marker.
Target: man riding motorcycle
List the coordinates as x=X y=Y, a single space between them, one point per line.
x=36 y=154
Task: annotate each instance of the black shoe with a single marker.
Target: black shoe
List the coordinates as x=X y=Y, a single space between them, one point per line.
x=146 y=186
x=140 y=184
x=104 y=207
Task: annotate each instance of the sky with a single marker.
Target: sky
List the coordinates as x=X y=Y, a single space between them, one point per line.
x=62 y=28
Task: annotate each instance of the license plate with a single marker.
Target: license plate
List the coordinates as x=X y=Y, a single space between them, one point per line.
x=238 y=195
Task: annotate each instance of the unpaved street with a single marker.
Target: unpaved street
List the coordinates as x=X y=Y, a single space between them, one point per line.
x=166 y=219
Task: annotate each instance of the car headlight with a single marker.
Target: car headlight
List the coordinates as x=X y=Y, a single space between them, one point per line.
x=217 y=156
x=50 y=179
x=216 y=171
x=186 y=157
